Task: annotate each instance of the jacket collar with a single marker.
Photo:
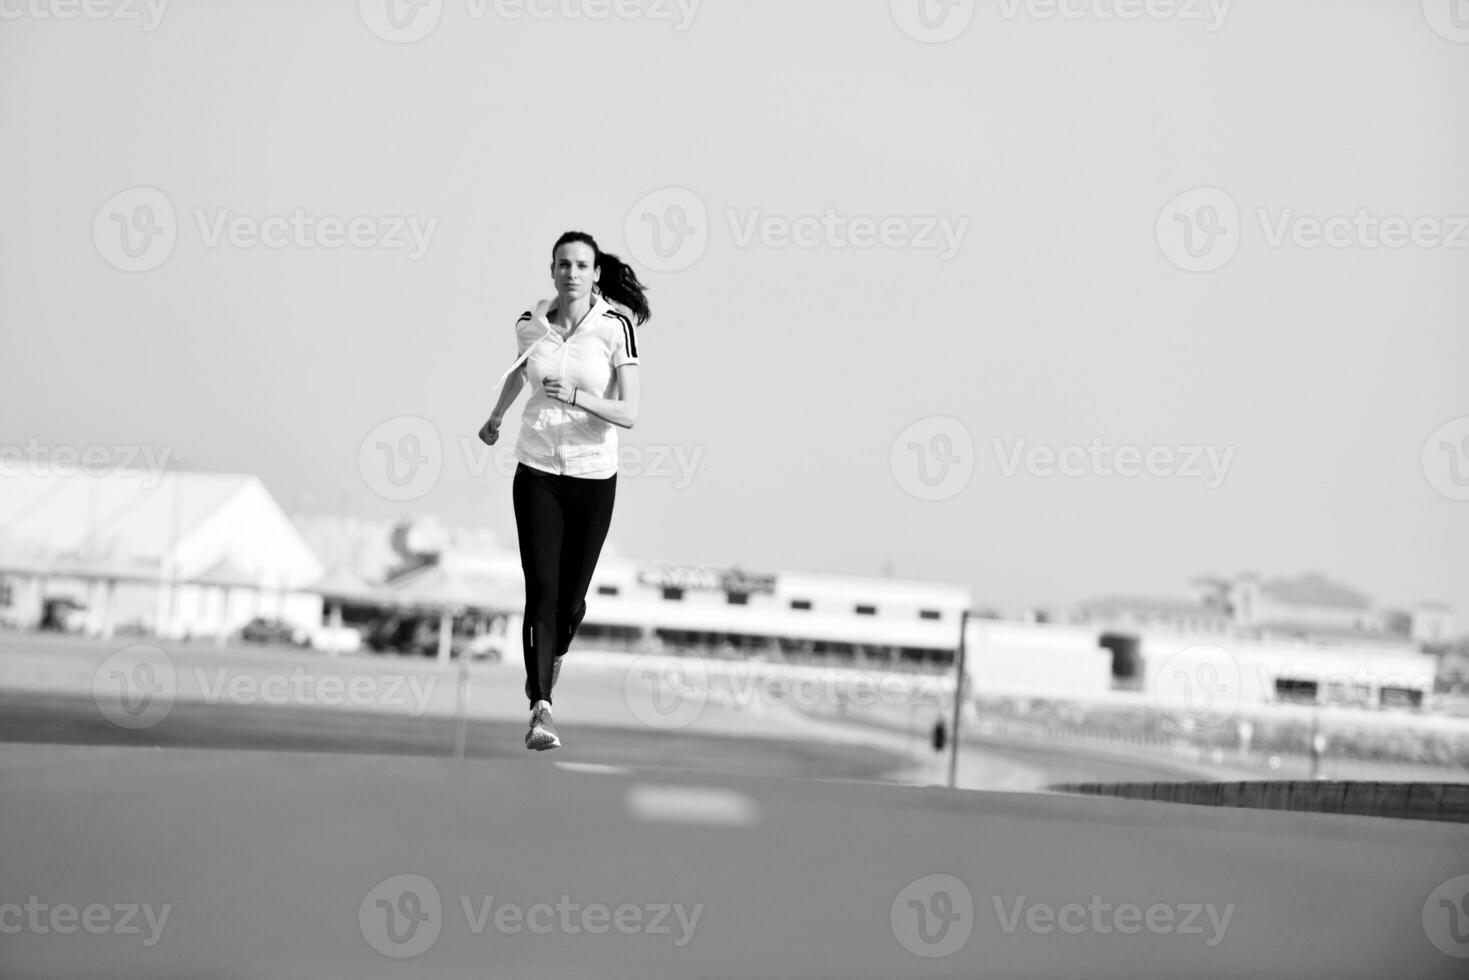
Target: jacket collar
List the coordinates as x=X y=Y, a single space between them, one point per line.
x=598 y=308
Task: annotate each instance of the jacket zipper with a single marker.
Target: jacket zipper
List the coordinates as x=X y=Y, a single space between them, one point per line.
x=565 y=412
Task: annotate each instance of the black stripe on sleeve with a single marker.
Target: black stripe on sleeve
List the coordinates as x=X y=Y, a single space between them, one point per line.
x=628 y=334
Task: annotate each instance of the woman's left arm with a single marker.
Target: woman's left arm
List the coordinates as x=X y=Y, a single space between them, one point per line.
x=621 y=411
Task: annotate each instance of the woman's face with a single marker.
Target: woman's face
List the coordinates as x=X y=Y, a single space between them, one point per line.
x=573 y=270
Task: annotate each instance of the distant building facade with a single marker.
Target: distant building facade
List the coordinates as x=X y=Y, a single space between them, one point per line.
x=786 y=613
x=1308 y=608
x=172 y=554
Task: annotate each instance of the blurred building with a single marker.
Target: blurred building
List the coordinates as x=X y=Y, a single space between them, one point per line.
x=1310 y=608
x=776 y=614
x=418 y=585
x=172 y=554
x=1306 y=639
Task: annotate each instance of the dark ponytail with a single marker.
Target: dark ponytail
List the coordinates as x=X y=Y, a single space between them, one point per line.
x=617 y=282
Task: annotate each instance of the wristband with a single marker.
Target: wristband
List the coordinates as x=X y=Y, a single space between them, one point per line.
x=573 y=396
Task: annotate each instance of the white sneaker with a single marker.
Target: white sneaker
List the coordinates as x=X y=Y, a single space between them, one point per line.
x=542 y=734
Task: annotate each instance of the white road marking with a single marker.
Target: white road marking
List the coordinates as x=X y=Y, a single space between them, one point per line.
x=705 y=805
x=593 y=767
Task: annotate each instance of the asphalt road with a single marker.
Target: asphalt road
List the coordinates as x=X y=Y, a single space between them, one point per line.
x=75 y=719
x=242 y=864
x=248 y=840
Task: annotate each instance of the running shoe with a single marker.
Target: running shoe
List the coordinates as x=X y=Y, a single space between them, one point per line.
x=542 y=734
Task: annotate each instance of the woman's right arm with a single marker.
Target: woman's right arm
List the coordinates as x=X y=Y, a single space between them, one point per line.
x=509 y=393
x=489 y=433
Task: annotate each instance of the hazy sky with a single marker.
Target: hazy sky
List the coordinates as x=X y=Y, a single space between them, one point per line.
x=1066 y=308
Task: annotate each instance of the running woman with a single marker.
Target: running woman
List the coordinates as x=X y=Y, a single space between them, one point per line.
x=580 y=356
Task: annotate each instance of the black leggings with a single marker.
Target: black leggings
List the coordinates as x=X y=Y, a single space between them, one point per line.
x=562 y=522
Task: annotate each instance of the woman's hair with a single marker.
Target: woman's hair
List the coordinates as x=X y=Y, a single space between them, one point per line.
x=618 y=283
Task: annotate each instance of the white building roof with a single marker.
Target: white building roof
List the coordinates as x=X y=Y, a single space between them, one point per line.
x=139 y=514
x=126 y=523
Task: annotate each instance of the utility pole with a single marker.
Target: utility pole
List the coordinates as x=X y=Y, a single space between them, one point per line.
x=958 y=697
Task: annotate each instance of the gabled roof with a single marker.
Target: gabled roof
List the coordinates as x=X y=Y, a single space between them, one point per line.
x=1152 y=604
x=1312 y=631
x=1313 y=589
x=436 y=586
x=342 y=582
x=116 y=512
x=227 y=574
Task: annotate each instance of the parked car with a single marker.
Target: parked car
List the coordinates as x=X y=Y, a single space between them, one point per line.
x=263 y=630
x=420 y=635
x=486 y=648
x=391 y=634
x=63 y=615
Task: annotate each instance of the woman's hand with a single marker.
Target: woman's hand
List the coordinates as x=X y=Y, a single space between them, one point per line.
x=489 y=433
x=560 y=390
